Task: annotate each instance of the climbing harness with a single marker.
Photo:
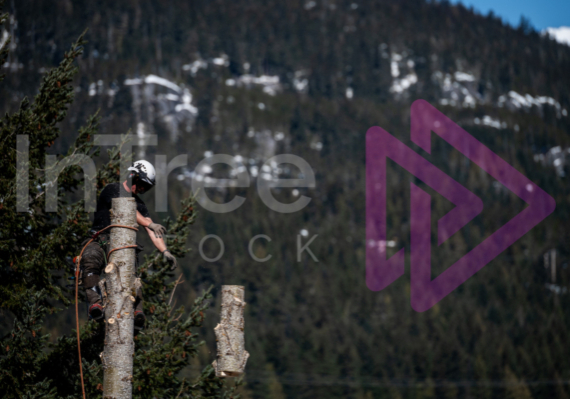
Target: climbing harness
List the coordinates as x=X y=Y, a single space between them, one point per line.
x=77 y=270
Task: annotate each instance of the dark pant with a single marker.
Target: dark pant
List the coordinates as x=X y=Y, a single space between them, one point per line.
x=93 y=262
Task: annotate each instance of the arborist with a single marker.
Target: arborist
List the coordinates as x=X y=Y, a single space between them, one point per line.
x=142 y=177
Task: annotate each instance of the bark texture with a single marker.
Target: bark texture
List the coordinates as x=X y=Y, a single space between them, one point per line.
x=231 y=356
x=119 y=313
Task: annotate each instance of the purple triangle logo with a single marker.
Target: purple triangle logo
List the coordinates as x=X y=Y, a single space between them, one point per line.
x=381 y=145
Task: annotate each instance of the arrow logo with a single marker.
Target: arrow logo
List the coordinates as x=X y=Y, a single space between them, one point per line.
x=380 y=145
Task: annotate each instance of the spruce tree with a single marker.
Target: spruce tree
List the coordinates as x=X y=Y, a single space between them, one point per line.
x=36 y=248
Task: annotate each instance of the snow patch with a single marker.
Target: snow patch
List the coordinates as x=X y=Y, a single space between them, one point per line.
x=222 y=60
x=561 y=34
x=458 y=90
x=310 y=5
x=172 y=97
x=488 y=121
x=157 y=80
x=516 y=100
x=300 y=82
x=556 y=157
x=154 y=96
x=132 y=82
x=399 y=85
x=397 y=63
x=464 y=77
x=394 y=67
x=195 y=66
x=317 y=146
x=271 y=84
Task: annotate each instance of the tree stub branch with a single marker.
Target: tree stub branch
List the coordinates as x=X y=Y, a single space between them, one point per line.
x=109 y=268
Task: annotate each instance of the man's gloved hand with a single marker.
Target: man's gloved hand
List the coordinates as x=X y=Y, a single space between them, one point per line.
x=170 y=259
x=158 y=229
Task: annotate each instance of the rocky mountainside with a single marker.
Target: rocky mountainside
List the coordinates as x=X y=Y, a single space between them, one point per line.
x=258 y=78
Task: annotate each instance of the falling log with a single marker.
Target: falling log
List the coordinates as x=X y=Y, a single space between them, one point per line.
x=231 y=353
x=120 y=286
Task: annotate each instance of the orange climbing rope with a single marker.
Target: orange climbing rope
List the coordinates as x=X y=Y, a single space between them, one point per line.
x=77 y=289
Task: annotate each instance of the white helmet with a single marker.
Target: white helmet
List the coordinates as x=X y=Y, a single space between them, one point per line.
x=144 y=171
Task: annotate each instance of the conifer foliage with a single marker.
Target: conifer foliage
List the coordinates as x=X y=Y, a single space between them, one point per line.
x=36 y=248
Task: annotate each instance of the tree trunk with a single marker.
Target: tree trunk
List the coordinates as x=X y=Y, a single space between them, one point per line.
x=119 y=309
x=232 y=355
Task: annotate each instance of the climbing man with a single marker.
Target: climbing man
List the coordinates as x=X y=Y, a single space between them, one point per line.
x=142 y=175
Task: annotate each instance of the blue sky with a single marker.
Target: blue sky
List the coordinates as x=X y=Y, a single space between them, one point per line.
x=542 y=14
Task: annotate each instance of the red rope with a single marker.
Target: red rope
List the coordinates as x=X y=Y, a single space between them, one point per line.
x=115 y=249
x=77 y=289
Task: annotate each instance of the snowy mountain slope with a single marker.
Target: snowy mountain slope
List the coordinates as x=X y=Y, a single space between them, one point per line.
x=561 y=34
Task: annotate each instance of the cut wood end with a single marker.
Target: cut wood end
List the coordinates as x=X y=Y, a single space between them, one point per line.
x=111 y=321
x=230 y=287
x=109 y=267
x=132 y=298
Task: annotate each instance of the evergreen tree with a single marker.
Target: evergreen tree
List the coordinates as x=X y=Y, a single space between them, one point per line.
x=35 y=251
x=314 y=319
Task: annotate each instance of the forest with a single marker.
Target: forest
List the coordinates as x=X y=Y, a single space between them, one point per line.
x=259 y=78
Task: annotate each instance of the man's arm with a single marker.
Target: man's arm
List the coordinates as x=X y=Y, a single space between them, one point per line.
x=157 y=240
x=145 y=222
